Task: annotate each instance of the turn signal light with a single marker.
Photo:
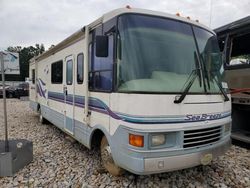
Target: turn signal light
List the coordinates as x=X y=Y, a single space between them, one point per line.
x=136 y=140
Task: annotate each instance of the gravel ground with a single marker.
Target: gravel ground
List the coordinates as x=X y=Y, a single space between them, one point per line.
x=61 y=162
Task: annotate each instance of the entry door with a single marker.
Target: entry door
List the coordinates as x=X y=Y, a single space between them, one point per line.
x=32 y=85
x=69 y=92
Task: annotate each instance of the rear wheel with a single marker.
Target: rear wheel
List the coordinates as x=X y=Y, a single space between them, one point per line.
x=107 y=159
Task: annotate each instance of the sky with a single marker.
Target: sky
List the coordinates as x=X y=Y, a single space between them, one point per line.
x=27 y=22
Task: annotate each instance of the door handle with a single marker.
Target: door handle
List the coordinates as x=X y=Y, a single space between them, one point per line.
x=65 y=90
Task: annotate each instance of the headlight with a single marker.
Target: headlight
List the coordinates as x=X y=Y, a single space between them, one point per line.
x=158 y=139
x=227 y=127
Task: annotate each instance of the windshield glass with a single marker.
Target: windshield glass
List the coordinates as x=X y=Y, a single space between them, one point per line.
x=211 y=58
x=156 y=55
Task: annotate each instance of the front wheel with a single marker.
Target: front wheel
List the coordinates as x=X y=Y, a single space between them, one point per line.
x=107 y=159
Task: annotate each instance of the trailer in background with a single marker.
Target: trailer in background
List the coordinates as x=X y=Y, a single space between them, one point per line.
x=234 y=40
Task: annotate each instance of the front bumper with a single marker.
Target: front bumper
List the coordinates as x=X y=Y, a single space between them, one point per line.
x=164 y=164
x=152 y=165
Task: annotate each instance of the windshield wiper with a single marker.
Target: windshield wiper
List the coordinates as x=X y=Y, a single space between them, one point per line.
x=193 y=75
x=205 y=71
x=197 y=65
x=179 y=99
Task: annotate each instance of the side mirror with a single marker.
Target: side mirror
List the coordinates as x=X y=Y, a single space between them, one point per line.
x=102 y=46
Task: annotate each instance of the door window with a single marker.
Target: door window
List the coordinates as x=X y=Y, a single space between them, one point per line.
x=69 y=72
x=80 y=68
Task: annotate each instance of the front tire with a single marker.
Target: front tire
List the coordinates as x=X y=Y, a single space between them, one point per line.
x=107 y=159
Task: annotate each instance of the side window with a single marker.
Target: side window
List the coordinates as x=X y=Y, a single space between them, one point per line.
x=80 y=68
x=69 y=72
x=101 y=68
x=101 y=74
x=57 y=72
x=33 y=76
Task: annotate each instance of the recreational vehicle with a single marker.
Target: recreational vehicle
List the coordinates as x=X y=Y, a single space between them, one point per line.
x=144 y=86
x=234 y=41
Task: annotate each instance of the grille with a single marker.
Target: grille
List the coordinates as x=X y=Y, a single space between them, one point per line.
x=201 y=137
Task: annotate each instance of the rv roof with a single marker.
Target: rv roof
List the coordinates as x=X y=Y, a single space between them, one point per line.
x=236 y=26
x=120 y=11
x=79 y=34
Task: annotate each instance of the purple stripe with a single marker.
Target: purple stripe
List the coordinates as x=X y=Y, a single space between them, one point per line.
x=113 y=115
x=42 y=92
x=99 y=110
x=39 y=90
x=80 y=105
x=42 y=82
x=56 y=99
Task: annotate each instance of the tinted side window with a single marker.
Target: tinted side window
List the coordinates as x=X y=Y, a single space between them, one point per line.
x=80 y=68
x=69 y=73
x=57 y=72
x=101 y=68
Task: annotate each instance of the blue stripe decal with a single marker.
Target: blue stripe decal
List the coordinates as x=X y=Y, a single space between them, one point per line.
x=97 y=105
x=173 y=119
x=94 y=103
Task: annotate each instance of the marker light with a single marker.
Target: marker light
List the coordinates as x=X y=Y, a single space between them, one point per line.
x=188 y=18
x=128 y=7
x=136 y=140
x=177 y=14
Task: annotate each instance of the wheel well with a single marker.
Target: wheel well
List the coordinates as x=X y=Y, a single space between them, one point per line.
x=96 y=138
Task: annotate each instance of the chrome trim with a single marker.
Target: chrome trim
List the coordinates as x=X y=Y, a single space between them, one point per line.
x=201 y=136
x=205 y=140
x=212 y=130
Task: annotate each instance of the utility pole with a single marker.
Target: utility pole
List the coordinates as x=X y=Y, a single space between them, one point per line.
x=4 y=103
x=211 y=11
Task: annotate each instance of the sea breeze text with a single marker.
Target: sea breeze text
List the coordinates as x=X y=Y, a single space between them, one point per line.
x=203 y=117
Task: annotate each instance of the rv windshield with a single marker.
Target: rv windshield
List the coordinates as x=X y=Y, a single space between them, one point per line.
x=157 y=55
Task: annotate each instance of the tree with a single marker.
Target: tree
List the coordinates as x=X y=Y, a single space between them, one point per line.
x=25 y=54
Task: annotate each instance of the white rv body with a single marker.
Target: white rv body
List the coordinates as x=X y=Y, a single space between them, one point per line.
x=119 y=114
